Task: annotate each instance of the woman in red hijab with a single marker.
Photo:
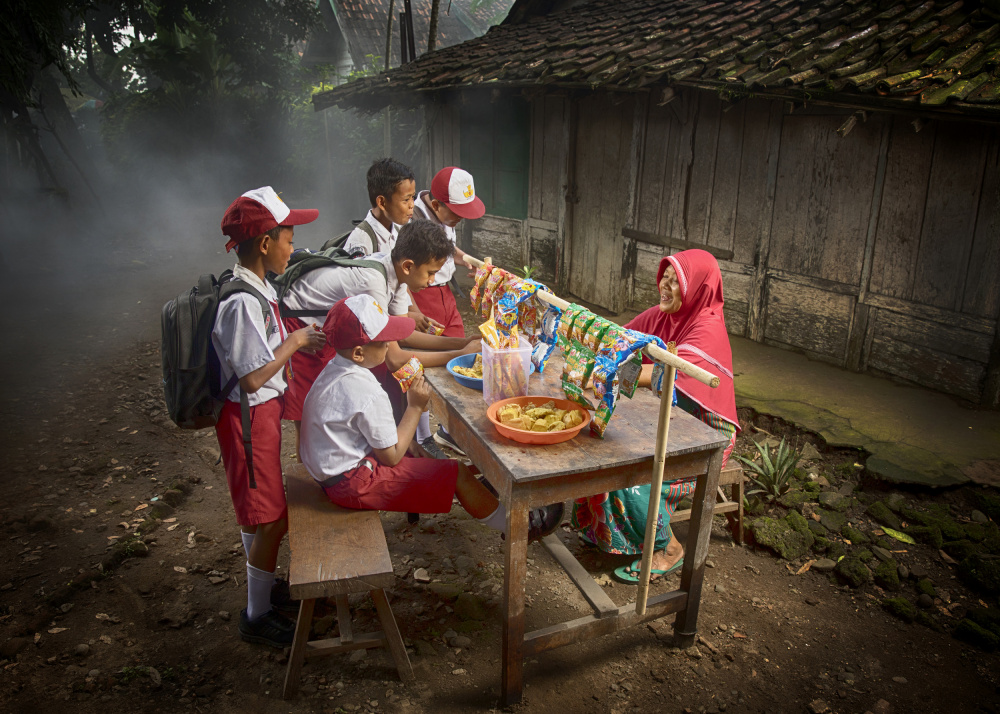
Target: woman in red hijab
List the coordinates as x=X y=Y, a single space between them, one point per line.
x=690 y=314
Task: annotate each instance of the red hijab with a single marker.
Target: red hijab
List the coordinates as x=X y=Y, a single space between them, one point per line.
x=698 y=328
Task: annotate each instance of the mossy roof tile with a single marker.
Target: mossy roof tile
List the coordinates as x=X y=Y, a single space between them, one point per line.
x=866 y=51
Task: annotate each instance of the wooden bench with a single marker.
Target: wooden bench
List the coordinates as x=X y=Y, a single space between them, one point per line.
x=732 y=506
x=336 y=551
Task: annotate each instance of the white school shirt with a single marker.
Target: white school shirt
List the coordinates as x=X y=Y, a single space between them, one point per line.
x=245 y=340
x=448 y=269
x=320 y=289
x=360 y=239
x=346 y=415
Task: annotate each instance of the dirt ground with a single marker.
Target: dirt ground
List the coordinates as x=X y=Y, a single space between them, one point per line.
x=124 y=577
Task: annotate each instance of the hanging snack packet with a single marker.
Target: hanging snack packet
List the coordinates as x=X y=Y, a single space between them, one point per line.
x=581 y=324
x=659 y=374
x=575 y=394
x=406 y=374
x=527 y=318
x=566 y=323
x=628 y=374
x=479 y=288
x=592 y=338
x=606 y=389
x=496 y=285
x=547 y=337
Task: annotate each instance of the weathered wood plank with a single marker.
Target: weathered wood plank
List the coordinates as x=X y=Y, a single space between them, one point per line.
x=925 y=366
x=934 y=314
x=334 y=550
x=536 y=157
x=680 y=155
x=543 y=247
x=811 y=319
x=897 y=237
x=982 y=287
x=644 y=292
x=698 y=205
x=554 y=149
x=725 y=189
x=589 y=588
x=675 y=243
x=956 y=180
x=499 y=238
x=652 y=182
x=947 y=339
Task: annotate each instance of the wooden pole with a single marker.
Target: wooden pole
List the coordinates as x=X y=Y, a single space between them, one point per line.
x=653 y=512
x=654 y=352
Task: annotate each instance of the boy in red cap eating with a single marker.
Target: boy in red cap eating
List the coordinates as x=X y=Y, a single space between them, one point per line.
x=353 y=447
x=254 y=347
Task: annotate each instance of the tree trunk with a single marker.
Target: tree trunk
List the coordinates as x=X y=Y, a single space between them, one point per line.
x=433 y=31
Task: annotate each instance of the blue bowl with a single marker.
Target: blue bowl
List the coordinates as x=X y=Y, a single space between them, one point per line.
x=467 y=362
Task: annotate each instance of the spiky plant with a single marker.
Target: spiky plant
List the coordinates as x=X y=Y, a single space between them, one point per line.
x=771 y=476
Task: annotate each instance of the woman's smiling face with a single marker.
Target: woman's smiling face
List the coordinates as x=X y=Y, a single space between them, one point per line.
x=670 y=291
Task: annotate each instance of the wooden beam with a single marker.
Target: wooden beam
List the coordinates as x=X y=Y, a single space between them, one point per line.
x=668 y=242
x=590 y=626
x=591 y=591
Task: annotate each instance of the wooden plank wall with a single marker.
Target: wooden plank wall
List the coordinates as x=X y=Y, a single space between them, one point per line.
x=878 y=251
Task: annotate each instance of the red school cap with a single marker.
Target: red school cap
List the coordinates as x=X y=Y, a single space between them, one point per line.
x=454 y=188
x=257 y=212
x=359 y=319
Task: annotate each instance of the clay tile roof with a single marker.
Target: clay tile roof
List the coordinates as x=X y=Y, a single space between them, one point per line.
x=912 y=53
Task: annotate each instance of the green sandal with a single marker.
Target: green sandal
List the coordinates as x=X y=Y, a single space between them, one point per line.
x=630 y=573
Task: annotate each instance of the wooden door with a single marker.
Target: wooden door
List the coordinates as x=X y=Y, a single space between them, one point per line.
x=602 y=180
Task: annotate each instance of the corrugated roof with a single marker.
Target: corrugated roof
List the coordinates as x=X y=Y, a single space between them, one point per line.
x=912 y=53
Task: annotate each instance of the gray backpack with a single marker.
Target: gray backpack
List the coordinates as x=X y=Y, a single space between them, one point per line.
x=341 y=241
x=305 y=261
x=192 y=375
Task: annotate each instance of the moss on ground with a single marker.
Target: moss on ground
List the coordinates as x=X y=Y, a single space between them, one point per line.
x=780 y=536
x=981 y=571
x=855 y=535
x=881 y=513
x=887 y=576
x=926 y=587
x=900 y=607
x=853 y=572
x=977 y=635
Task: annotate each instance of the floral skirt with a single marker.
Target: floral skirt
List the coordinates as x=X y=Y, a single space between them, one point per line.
x=616 y=522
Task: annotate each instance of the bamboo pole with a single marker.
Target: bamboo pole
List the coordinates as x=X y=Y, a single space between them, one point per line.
x=653 y=351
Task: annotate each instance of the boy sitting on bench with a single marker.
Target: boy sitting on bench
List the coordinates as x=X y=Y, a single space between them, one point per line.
x=353 y=447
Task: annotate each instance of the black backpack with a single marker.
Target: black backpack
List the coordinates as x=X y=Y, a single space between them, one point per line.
x=305 y=261
x=192 y=376
x=341 y=241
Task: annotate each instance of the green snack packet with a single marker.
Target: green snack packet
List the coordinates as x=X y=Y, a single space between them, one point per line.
x=578 y=364
x=575 y=394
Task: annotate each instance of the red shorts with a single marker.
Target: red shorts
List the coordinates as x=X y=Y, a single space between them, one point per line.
x=266 y=503
x=305 y=368
x=414 y=485
x=437 y=302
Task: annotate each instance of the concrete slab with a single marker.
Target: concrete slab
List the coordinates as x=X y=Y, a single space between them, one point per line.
x=914 y=435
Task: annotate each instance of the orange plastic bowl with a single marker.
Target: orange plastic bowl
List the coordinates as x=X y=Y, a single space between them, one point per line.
x=537 y=437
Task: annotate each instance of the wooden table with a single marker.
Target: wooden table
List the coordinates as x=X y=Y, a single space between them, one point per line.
x=531 y=476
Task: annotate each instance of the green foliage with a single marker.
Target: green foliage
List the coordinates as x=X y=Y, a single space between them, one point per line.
x=771 y=477
x=527 y=271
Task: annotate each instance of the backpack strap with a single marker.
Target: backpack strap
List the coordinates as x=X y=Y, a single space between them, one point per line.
x=228 y=289
x=367 y=228
x=310 y=262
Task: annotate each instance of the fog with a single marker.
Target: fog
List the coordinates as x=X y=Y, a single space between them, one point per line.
x=83 y=279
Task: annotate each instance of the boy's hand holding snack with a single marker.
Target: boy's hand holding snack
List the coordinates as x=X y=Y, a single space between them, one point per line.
x=309 y=339
x=419 y=393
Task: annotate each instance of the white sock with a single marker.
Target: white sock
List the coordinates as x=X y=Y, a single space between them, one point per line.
x=259 y=584
x=423 y=427
x=496 y=520
x=247 y=541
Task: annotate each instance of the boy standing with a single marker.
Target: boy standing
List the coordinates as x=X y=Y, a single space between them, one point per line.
x=452 y=198
x=391 y=190
x=356 y=451
x=255 y=348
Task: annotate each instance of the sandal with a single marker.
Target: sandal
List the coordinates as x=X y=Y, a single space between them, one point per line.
x=630 y=573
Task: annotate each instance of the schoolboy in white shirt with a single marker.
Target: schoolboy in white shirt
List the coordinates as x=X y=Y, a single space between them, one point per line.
x=391 y=190
x=255 y=347
x=356 y=451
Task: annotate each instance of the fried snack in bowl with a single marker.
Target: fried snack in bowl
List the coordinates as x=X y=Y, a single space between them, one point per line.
x=475 y=371
x=538 y=420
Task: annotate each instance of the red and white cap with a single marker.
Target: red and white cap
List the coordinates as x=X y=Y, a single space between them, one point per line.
x=454 y=188
x=359 y=319
x=257 y=212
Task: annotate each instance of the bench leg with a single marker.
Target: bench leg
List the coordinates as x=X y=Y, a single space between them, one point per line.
x=298 y=653
x=393 y=639
x=736 y=521
x=344 y=620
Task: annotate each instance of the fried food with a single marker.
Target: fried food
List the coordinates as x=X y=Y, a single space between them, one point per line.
x=539 y=418
x=475 y=371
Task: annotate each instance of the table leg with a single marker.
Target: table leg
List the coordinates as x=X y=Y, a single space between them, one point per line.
x=699 y=535
x=515 y=571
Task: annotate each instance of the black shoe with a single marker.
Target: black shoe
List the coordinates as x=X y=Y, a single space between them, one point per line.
x=281 y=598
x=431 y=447
x=268 y=629
x=544 y=520
x=444 y=439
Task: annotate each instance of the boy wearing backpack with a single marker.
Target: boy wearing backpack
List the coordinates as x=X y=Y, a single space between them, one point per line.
x=391 y=189
x=419 y=253
x=255 y=347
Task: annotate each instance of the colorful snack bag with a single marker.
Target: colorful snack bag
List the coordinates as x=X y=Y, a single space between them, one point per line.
x=581 y=324
x=496 y=285
x=566 y=324
x=435 y=329
x=406 y=374
x=592 y=338
x=628 y=374
x=479 y=288
x=606 y=389
x=575 y=394
x=547 y=337
x=527 y=318
x=660 y=373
